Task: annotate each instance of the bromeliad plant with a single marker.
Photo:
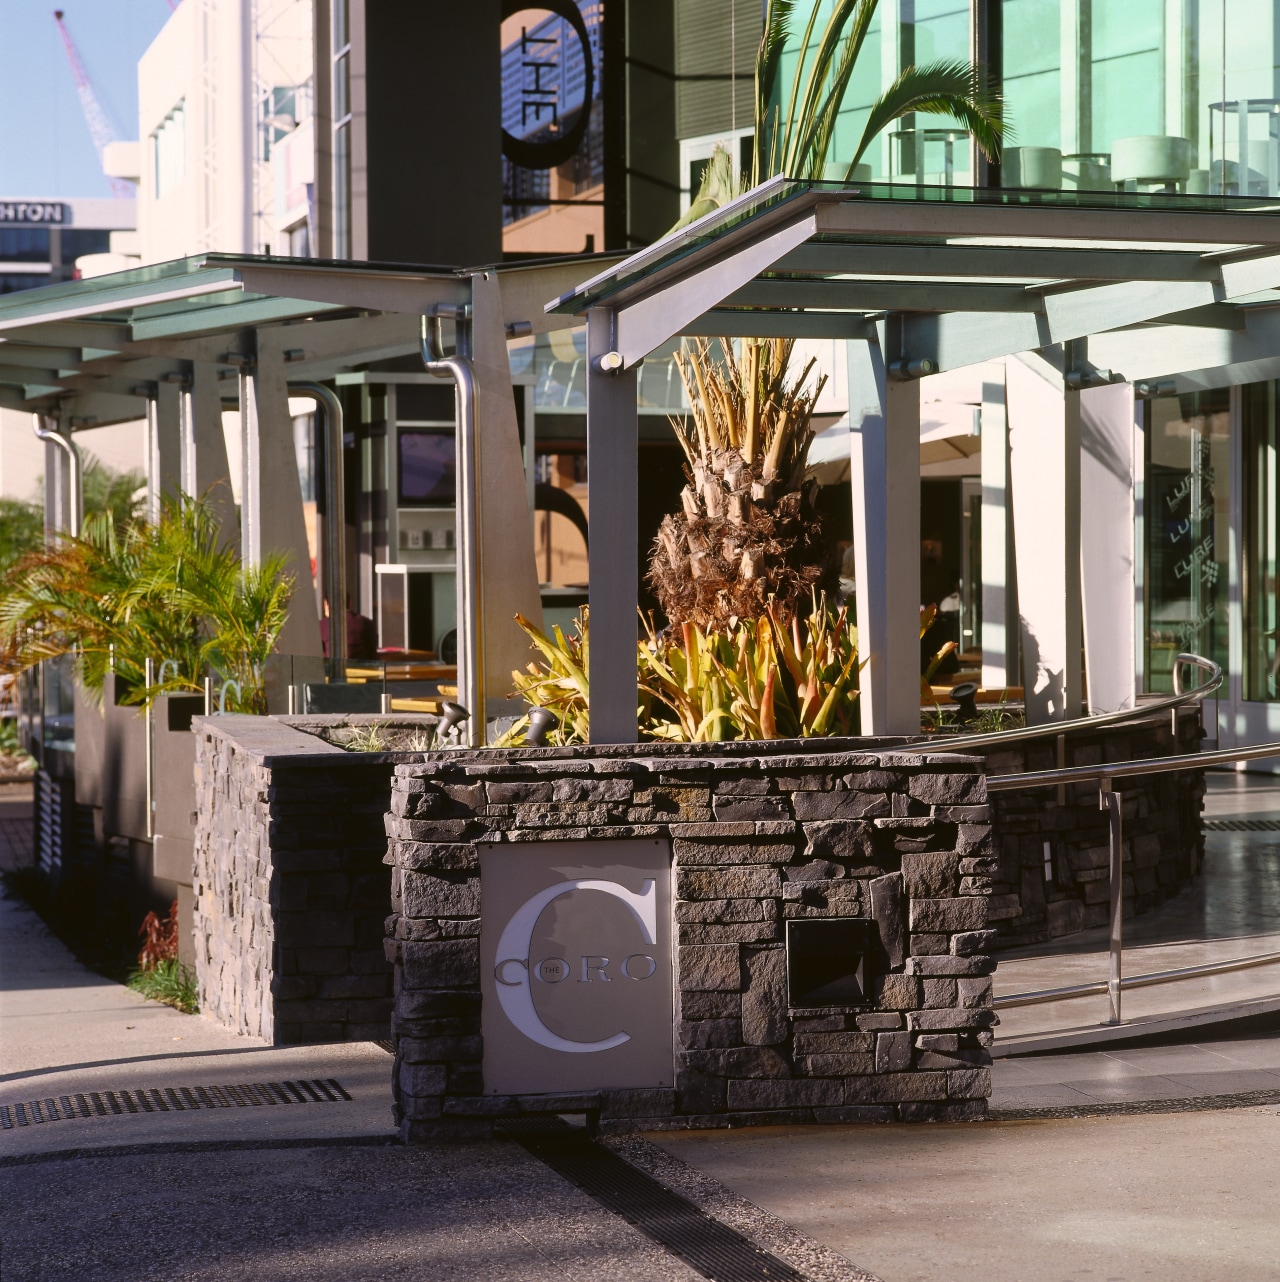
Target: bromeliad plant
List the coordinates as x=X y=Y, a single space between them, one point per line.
x=173 y=591
x=765 y=679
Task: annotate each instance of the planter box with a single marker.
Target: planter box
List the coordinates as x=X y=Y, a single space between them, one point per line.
x=291 y=891
x=814 y=912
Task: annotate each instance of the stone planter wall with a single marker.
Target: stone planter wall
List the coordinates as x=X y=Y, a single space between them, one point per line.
x=760 y=833
x=1163 y=839
x=290 y=887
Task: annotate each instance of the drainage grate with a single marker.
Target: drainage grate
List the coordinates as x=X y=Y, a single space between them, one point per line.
x=168 y=1099
x=1242 y=825
x=705 y=1244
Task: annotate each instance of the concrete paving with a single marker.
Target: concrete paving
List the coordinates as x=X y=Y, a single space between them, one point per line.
x=1193 y=1071
x=322 y=1191
x=318 y=1192
x=1186 y=1196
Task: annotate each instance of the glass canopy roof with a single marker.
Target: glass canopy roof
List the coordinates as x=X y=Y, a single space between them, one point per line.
x=912 y=234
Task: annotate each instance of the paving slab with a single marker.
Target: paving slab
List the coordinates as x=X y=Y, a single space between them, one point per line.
x=1170 y=1196
x=1206 y=1069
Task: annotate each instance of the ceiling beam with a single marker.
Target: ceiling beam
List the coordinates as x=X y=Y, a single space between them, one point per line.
x=880 y=296
x=990 y=262
x=1060 y=223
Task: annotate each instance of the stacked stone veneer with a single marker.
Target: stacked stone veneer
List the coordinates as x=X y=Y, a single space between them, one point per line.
x=290 y=887
x=760 y=833
x=1163 y=837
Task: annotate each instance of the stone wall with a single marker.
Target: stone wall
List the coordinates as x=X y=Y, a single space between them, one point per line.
x=291 y=891
x=1163 y=838
x=760 y=833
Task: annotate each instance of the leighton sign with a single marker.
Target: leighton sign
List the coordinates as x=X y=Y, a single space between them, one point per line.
x=575 y=949
x=45 y=212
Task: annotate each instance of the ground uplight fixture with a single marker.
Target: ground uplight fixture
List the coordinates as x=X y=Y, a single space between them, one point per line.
x=451 y=714
x=965 y=697
x=540 y=722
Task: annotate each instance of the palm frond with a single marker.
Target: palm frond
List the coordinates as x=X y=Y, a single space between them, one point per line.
x=777 y=30
x=955 y=89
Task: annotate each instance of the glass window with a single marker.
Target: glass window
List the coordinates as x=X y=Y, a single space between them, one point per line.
x=169 y=143
x=1145 y=95
x=24 y=244
x=1261 y=563
x=1187 y=537
x=426 y=467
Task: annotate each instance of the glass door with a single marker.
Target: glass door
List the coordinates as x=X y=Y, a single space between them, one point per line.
x=1253 y=713
x=1187 y=535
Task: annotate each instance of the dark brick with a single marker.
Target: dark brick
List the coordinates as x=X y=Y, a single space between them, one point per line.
x=839 y=805
x=893 y=1052
x=764 y=999
x=703 y=1034
x=843 y=840
x=727 y=883
x=948 y=915
x=948 y=965
x=449 y=963
x=948 y=789
x=710 y=967
x=691 y=854
x=738 y=809
x=788 y=1093
x=425 y=895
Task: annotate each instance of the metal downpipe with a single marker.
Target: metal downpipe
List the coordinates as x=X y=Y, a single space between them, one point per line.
x=72 y=451
x=470 y=625
x=335 y=524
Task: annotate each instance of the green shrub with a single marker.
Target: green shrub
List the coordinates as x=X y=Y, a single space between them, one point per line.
x=169 y=982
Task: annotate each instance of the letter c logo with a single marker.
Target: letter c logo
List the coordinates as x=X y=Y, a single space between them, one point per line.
x=515 y=994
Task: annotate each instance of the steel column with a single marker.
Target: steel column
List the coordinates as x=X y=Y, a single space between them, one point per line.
x=614 y=551
x=884 y=443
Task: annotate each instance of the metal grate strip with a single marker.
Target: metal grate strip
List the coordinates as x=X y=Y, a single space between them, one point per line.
x=689 y=1233
x=169 y=1099
x=1242 y=825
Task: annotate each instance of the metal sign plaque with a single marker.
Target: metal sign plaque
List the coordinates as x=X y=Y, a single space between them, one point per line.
x=575 y=965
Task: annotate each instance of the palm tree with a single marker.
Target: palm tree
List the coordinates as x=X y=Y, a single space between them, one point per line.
x=122 y=594
x=748 y=533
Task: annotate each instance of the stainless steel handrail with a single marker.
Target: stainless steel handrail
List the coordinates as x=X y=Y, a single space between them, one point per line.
x=1148 y=711
x=459 y=368
x=1137 y=981
x=74 y=517
x=1125 y=769
x=335 y=523
x=1111 y=801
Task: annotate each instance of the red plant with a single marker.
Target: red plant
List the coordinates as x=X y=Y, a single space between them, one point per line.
x=161 y=939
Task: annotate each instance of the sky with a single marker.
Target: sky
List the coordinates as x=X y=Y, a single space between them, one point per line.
x=45 y=147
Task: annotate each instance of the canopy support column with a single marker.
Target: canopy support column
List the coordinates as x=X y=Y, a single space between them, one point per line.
x=1107 y=562
x=271 y=496
x=164 y=446
x=999 y=582
x=1044 y=464
x=884 y=442
x=614 y=552
x=206 y=473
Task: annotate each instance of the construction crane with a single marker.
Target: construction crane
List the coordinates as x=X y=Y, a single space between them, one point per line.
x=99 y=126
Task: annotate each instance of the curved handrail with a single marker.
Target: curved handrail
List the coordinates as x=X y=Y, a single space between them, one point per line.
x=1110 y=770
x=1146 y=712
x=53 y=436
x=222 y=694
x=460 y=369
